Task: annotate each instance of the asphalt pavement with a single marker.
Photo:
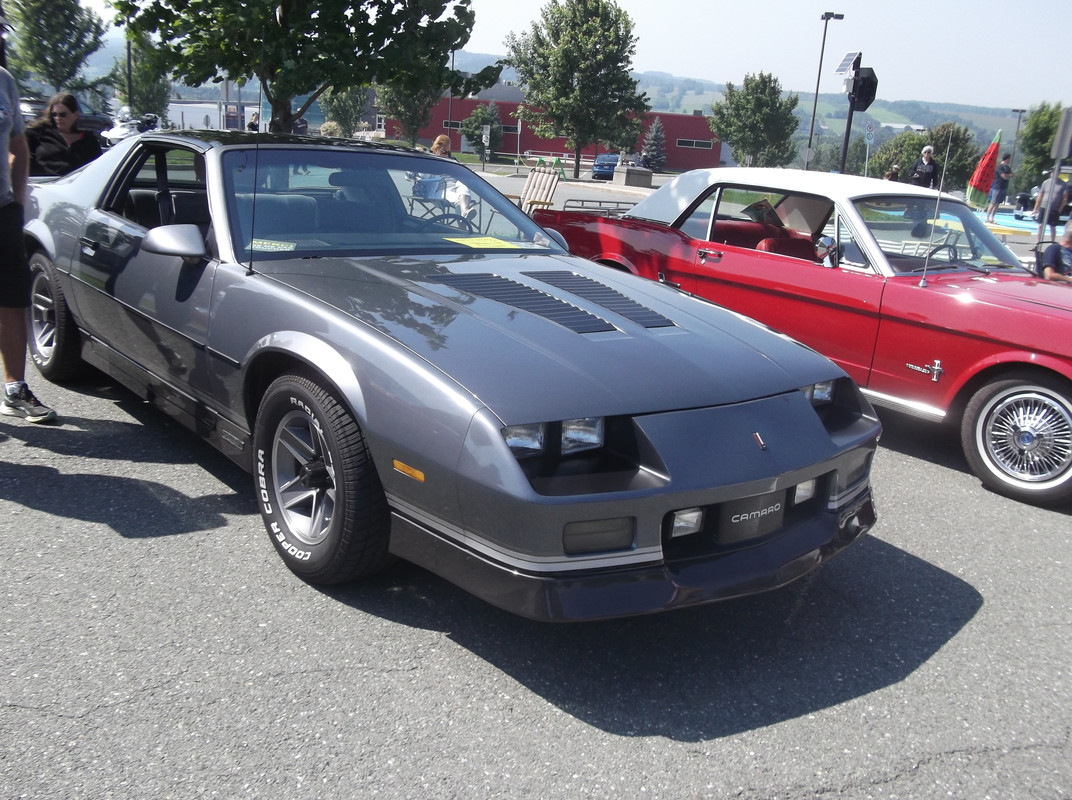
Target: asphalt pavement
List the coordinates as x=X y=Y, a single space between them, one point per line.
x=153 y=645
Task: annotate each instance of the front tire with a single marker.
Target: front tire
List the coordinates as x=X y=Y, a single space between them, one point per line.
x=53 y=338
x=1017 y=437
x=318 y=490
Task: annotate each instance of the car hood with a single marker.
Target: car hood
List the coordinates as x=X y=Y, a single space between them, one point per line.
x=538 y=337
x=1011 y=290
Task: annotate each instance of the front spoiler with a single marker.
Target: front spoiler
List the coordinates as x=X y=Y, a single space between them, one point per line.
x=606 y=594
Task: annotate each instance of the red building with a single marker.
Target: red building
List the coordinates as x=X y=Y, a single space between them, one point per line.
x=690 y=144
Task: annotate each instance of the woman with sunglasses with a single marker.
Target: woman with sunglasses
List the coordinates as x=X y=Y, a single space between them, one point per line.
x=57 y=146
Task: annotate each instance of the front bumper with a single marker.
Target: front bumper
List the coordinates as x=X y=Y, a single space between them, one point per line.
x=776 y=561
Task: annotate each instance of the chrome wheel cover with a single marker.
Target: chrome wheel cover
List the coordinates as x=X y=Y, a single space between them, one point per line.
x=303 y=478
x=1027 y=435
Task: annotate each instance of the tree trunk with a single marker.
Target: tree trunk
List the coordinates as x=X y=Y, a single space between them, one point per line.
x=577 y=162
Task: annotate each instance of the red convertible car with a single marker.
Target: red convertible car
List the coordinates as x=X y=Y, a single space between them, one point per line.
x=903 y=287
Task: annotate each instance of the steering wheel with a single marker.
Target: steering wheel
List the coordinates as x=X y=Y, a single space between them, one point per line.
x=453 y=220
x=953 y=254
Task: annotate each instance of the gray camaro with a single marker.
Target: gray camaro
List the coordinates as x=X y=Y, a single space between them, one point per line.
x=409 y=366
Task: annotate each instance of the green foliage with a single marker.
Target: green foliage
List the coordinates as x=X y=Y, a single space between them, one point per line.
x=655 y=146
x=757 y=122
x=151 y=90
x=411 y=107
x=331 y=128
x=53 y=39
x=1035 y=142
x=574 y=65
x=345 y=108
x=473 y=130
x=905 y=148
x=299 y=48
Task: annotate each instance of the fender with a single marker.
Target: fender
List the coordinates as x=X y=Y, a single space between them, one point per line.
x=320 y=356
x=38 y=237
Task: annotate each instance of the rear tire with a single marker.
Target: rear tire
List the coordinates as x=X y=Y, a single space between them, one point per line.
x=318 y=490
x=1017 y=437
x=53 y=338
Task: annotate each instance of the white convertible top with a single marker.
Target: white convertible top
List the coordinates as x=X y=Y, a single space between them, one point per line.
x=667 y=203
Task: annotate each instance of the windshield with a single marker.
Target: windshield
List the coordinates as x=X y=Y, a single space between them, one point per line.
x=944 y=234
x=309 y=202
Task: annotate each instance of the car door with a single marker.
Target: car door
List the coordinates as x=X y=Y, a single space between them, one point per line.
x=151 y=308
x=833 y=306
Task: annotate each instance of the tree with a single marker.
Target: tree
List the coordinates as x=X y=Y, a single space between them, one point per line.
x=411 y=107
x=957 y=166
x=756 y=121
x=654 y=152
x=298 y=48
x=346 y=108
x=573 y=65
x=473 y=130
x=1035 y=142
x=150 y=89
x=53 y=40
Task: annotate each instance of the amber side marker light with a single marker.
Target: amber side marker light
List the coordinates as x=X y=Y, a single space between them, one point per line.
x=406 y=469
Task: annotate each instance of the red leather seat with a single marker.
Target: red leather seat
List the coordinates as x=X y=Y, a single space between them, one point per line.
x=797 y=248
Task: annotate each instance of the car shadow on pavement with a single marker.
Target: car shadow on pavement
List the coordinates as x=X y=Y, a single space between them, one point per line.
x=933 y=442
x=863 y=622
x=111 y=494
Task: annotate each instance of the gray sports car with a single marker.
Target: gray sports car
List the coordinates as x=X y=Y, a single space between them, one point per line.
x=409 y=366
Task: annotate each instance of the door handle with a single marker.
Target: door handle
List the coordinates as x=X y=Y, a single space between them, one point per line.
x=88 y=246
x=662 y=279
x=714 y=254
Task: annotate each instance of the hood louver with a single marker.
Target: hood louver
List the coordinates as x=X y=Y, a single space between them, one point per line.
x=527 y=298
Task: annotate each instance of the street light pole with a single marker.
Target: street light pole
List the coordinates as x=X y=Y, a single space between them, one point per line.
x=827 y=16
x=1019 y=112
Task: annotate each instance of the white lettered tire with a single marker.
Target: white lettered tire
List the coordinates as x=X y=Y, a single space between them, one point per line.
x=317 y=488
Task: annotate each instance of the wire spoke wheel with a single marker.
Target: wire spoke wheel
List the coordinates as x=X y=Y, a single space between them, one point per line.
x=1017 y=436
x=1030 y=436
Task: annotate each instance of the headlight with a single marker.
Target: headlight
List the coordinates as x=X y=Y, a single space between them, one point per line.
x=820 y=394
x=559 y=438
x=582 y=434
x=525 y=440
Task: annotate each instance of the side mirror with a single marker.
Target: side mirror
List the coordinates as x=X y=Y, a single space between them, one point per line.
x=825 y=247
x=185 y=241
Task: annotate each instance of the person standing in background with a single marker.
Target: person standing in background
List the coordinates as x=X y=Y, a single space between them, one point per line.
x=18 y=400
x=1000 y=188
x=925 y=170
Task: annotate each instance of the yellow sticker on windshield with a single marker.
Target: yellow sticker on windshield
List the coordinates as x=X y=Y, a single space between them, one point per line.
x=484 y=242
x=273 y=246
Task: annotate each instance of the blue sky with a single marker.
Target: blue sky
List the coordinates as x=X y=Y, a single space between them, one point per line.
x=973 y=52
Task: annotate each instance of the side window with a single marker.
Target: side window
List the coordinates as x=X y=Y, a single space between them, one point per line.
x=849 y=252
x=698 y=223
x=165 y=187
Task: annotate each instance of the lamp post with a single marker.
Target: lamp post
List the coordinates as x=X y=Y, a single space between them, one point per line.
x=1019 y=112
x=826 y=17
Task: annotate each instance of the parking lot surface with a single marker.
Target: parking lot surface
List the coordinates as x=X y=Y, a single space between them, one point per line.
x=153 y=645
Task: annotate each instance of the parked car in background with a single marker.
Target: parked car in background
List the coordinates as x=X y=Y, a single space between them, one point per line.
x=906 y=289
x=564 y=441
x=603 y=168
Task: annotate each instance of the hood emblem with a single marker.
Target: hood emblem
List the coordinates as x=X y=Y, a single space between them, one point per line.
x=759 y=440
